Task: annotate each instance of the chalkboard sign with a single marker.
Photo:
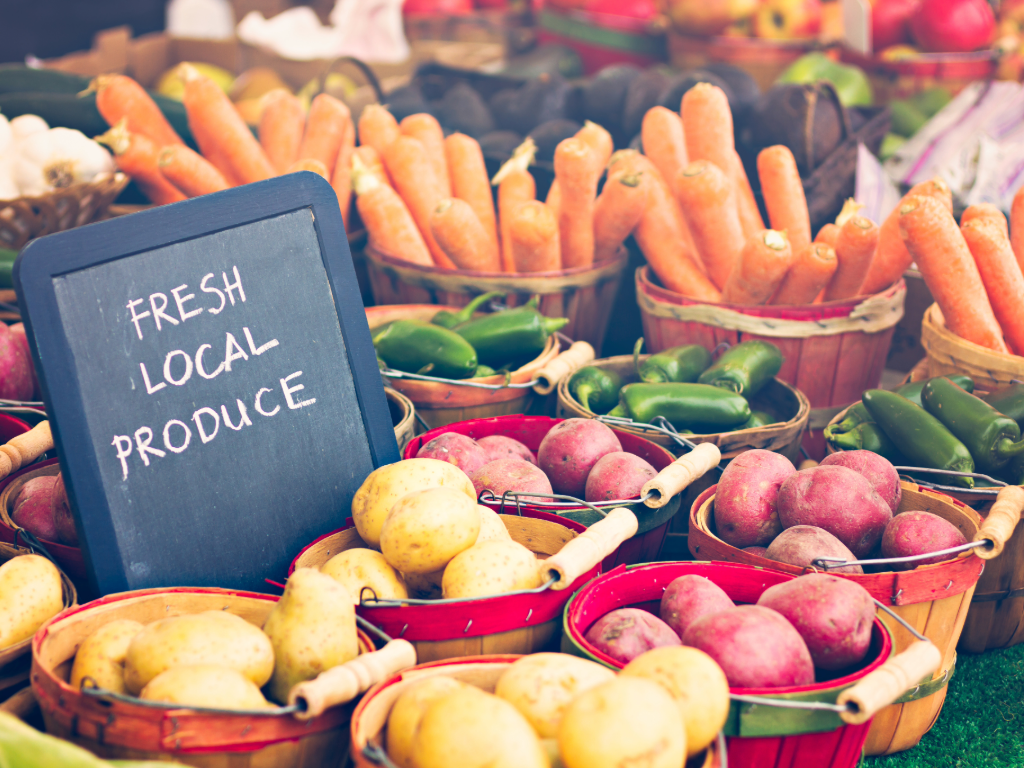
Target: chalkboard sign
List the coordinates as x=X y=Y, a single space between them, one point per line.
x=212 y=384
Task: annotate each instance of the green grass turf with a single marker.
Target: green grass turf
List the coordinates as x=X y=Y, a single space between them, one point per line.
x=982 y=722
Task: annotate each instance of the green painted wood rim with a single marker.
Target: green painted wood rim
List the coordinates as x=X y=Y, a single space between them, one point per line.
x=588 y=33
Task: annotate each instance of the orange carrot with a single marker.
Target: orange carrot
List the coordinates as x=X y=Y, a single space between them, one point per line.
x=118 y=98
x=828 y=234
x=761 y=267
x=389 y=225
x=599 y=140
x=784 y=195
x=425 y=127
x=707 y=126
x=709 y=205
x=534 y=238
x=218 y=128
x=189 y=171
x=937 y=245
x=281 y=126
x=892 y=258
x=855 y=247
x=341 y=178
x=325 y=127
x=554 y=198
x=138 y=156
x=310 y=164
x=469 y=180
x=1017 y=226
x=811 y=271
x=577 y=173
x=986 y=211
x=459 y=232
x=516 y=185
x=378 y=128
x=1000 y=273
x=371 y=161
x=618 y=210
x=664 y=143
x=410 y=168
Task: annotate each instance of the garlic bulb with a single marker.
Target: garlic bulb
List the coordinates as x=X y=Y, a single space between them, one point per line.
x=58 y=158
x=25 y=125
x=8 y=189
x=6 y=137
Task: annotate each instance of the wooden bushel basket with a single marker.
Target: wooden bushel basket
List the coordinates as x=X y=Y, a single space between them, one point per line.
x=403 y=415
x=947 y=353
x=371 y=714
x=756 y=735
x=932 y=598
x=117 y=729
x=831 y=352
x=584 y=294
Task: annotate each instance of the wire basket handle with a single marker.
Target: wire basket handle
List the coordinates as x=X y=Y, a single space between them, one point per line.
x=25 y=448
x=895 y=677
x=575 y=357
x=1001 y=521
x=589 y=548
x=679 y=474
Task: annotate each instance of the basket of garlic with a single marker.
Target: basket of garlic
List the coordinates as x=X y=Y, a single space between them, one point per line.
x=51 y=179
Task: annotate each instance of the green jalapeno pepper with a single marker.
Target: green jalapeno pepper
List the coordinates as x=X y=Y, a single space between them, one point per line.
x=758 y=419
x=744 y=368
x=1009 y=401
x=867 y=437
x=447 y=319
x=596 y=389
x=419 y=347
x=700 y=407
x=619 y=412
x=920 y=437
x=509 y=335
x=992 y=438
x=483 y=370
x=684 y=363
x=858 y=414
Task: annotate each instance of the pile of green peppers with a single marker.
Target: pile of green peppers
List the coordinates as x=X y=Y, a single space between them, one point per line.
x=455 y=345
x=682 y=385
x=939 y=424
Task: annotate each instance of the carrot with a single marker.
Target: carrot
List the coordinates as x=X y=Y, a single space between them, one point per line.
x=855 y=247
x=310 y=164
x=707 y=126
x=389 y=225
x=218 y=128
x=119 y=97
x=371 y=161
x=599 y=140
x=408 y=166
x=828 y=234
x=138 y=156
x=424 y=126
x=761 y=267
x=664 y=143
x=784 y=195
x=708 y=202
x=378 y=128
x=1017 y=226
x=459 y=232
x=469 y=181
x=554 y=198
x=811 y=271
x=577 y=173
x=189 y=171
x=985 y=211
x=937 y=245
x=516 y=185
x=281 y=126
x=617 y=211
x=341 y=178
x=325 y=127
x=892 y=258
x=534 y=238
x=990 y=245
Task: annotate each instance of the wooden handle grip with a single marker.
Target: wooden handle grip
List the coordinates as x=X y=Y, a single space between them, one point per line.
x=26 y=448
x=1001 y=521
x=882 y=687
x=341 y=684
x=576 y=356
x=589 y=548
x=680 y=473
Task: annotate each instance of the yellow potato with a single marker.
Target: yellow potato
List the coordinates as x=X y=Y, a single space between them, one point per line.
x=101 y=655
x=205 y=685
x=491 y=526
x=428 y=528
x=491 y=568
x=424 y=586
x=472 y=729
x=358 y=568
x=542 y=685
x=404 y=720
x=30 y=594
x=628 y=721
x=312 y=627
x=386 y=485
x=211 y=637
x=697 y=684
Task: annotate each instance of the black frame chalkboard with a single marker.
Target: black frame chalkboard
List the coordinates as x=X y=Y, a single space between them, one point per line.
x=69 y=252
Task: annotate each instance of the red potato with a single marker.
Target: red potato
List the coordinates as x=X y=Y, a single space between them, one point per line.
x=918 y=533
x=510 y=475
x=839 y=500
x=15 y=367
x=755 y=646
x=571 y=449
x=501 y=447
x=618 y=475
x=879 y=472
x=690 y=597
x=833 y=615
x=18 y=332
x=32 y=509
x=746 y=511
x=626 y=633
x=760 y=551
x=802 y=544
x=61 y=510
x=462 y=451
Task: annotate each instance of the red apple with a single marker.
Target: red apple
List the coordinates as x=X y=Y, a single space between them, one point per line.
x=890 y=22
x=15 y=367
x=18 y=332
x=788 y=19
x=61 y=511
x=953 y=26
